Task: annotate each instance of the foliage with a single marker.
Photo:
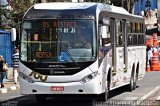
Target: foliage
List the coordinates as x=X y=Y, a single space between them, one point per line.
x=13 y=12
x=128 y=4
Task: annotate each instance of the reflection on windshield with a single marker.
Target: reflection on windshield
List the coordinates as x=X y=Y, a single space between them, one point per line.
x=58 y=41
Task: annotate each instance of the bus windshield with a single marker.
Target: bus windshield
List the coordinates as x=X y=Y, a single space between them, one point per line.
x=58 y=40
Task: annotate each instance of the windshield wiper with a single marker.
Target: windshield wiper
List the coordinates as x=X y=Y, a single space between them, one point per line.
x=65 y=50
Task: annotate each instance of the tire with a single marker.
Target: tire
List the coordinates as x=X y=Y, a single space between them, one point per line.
x=107 y=90
x=135 y=81
x=103 y=97
x=40 y=98
x=131 y=85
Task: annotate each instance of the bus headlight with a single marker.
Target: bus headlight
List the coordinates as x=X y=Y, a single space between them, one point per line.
x=25 y=77
x=89 y=77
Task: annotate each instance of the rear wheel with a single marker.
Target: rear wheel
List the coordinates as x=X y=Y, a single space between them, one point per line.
x=133 y=82
x=131 y=85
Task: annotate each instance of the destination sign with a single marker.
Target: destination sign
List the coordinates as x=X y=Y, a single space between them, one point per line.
x=41 y=55
x=69 y=24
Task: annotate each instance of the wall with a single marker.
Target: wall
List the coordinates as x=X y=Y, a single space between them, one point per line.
x=6 y=46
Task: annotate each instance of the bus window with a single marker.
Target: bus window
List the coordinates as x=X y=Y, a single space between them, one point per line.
x=50 y=40
x=138 y=27
x=128 y=27
x=135 y=39
x=141 y=28
x=129 y=39
x=133 y=27
x=119 y=33
x=139 y=40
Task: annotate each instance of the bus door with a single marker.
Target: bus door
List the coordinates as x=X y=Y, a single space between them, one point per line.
x=113 y=45
x=117 y=52
x=124 y=32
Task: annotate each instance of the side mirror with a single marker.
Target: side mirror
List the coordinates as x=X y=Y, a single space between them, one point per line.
x=105 y=32
x=13 y=34
x=105 y=21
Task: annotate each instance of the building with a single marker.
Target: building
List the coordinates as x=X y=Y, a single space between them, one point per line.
x=143 y=5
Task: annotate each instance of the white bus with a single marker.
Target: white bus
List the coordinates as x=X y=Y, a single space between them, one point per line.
x=51 y=64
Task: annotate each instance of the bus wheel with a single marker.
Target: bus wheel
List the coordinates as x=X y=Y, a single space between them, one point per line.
x=107 y=90
x=133 y=83
x=40 y=98
x=103 y=97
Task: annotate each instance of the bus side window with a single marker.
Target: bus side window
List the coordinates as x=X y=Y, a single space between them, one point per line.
x=129 y=39
x=119 y=33
x=134 y=39
x=129 y=30
x=139 y=40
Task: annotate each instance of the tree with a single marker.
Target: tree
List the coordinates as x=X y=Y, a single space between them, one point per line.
x=18 y=8
x=12 y=12
x=5 y=18
x=127 y=4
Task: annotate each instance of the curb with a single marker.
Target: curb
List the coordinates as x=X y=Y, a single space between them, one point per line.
x=6 y=90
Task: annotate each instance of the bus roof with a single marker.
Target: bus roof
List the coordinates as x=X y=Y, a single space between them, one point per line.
x=69 y=9
x=82 y=5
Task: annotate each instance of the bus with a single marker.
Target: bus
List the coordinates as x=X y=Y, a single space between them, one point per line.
x=52 y=65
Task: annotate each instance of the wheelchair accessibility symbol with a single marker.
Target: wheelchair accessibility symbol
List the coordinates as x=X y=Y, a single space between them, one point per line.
x=63 y=57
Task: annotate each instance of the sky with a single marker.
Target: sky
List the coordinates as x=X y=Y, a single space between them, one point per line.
x=3 y=2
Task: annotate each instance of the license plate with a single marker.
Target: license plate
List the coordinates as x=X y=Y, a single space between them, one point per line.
x=57 y=88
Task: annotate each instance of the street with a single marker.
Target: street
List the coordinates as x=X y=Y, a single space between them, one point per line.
x=146 y=93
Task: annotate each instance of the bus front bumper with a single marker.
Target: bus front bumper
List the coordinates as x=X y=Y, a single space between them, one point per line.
x=90 y=87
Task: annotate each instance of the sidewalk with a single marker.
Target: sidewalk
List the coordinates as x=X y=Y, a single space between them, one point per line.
x=9 y=83
x=9 y=86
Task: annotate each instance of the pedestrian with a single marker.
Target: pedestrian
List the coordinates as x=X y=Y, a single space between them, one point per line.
x=2 y=71
x=155 y=49
x=15 y=61
x=149 y=55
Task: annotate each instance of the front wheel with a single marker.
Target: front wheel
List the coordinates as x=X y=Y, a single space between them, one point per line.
x=40 y=98
x=103 y=97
